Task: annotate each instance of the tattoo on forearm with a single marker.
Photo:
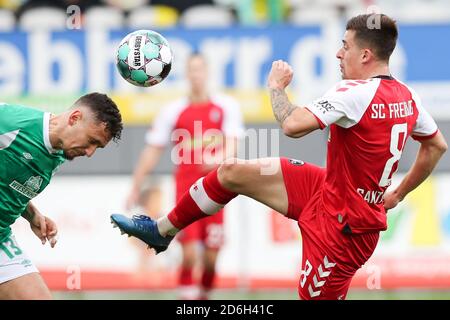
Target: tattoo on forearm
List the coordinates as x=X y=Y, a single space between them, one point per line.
x=281 y=105
x=28 y=214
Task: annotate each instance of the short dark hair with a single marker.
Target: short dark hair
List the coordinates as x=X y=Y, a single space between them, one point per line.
x=105 y=111
x=377 y=31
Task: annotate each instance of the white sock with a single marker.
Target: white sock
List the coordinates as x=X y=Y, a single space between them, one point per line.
x=165 y=227
x=188 y=292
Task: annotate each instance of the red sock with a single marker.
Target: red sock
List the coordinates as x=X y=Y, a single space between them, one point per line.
x=187 y=289
x=185 y=278
x=206 y=284
x=204 y=198
x=208 y=279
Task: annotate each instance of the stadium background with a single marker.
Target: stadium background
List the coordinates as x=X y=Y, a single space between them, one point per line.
x=48 y=57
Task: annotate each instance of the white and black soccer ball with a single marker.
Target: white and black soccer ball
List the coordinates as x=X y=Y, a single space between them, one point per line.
x=144 y=58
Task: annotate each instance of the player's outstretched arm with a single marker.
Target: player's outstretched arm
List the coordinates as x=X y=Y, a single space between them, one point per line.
x=147 y=162
x=295 y=121
x=431 y=150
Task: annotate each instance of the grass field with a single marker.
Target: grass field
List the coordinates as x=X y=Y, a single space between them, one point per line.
x=251 y=295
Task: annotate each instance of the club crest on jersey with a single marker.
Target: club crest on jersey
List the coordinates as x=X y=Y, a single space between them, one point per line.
x=34 y=183
x=30 y=188
x=214 y=116
x=296 y=162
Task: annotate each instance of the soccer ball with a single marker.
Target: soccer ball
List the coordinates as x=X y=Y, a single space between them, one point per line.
x=144 y=58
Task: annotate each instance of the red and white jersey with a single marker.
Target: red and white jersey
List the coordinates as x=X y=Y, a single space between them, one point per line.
x=197 y=131
x=369 y=122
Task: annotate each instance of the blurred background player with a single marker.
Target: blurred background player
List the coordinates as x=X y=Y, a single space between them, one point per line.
x=205 y=128
x=33 y=144
x=150 y=200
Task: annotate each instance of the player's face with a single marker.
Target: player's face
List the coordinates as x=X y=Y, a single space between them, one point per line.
x=197 y=73
x=84 y=136
x=350 y=57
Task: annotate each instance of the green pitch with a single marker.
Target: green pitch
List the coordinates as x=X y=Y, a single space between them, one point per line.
x=251 y=295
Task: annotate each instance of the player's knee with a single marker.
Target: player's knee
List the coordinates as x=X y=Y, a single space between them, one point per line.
x=46 y=296
x=189 y=256
x=210 y=259
x=37 y=293
x=188 y=262
x=229 y=174
x=209 y=265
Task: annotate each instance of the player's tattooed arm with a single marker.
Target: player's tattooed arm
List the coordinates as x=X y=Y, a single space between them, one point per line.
x=30 y=212
x=281 y=106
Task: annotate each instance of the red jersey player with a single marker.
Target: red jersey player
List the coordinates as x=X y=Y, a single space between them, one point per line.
x=341 y=209
x=203 y=128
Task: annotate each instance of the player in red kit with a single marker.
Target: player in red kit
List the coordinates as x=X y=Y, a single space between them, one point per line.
x=341 y=209
x=204 y=128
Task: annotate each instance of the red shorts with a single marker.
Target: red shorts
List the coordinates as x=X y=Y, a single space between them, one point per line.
x=209 y=231
x=330 y=257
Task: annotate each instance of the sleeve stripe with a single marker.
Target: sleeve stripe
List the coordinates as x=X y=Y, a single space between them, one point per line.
x=420 y=138
x=321 y=124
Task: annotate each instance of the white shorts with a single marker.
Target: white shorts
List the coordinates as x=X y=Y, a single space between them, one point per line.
x=14 y=263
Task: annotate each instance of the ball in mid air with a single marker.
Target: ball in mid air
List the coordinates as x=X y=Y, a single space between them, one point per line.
x=144 y=58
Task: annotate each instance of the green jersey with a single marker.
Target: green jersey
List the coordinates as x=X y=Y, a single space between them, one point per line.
x=27 y=160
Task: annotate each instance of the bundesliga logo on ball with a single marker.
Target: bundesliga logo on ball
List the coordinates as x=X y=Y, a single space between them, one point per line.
x=144 y=58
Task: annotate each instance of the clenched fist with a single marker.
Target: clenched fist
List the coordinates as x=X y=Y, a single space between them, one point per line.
x=280 y=75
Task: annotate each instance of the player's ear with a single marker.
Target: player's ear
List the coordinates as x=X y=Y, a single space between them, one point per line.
x=366 y=55
x=75 y=116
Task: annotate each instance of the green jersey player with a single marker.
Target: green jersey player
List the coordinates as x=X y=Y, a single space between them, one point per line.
x=33 y=144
